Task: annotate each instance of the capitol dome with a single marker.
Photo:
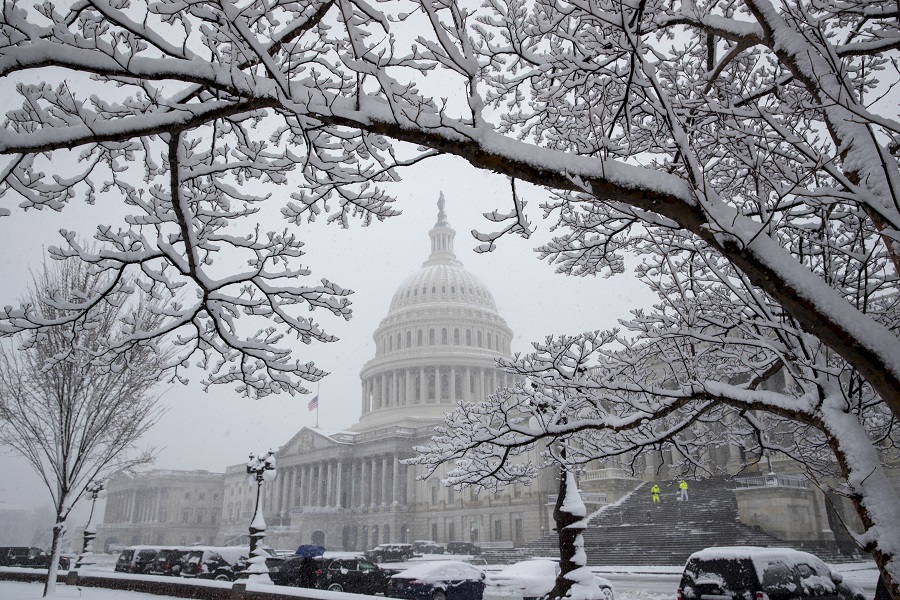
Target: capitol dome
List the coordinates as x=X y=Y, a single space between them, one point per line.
x=438 y=344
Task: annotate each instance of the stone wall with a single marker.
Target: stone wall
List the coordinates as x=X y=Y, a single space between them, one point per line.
x=788 y=513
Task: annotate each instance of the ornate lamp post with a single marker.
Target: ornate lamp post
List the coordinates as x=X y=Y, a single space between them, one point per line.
x=263 y=468
x=97 y=489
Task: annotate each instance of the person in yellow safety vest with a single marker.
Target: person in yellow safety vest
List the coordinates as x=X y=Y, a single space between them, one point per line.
x=683 y=487
x=655 y=491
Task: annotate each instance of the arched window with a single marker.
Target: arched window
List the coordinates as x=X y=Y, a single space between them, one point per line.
x=444 y=339
x=390 y=344
x=456 y=336
x=468 y=337
x=399 y=340
x=489 y=341
x=420 y=338
x=431 y=339
x=409 y=339
x=480 y=340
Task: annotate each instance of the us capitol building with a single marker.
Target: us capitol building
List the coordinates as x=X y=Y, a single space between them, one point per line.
x=437 y=346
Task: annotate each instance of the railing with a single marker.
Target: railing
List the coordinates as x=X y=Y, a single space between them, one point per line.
x=772 y=480
x=586 y=497
x=599 y=474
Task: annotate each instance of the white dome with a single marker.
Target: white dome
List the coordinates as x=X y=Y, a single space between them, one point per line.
x=439 y=342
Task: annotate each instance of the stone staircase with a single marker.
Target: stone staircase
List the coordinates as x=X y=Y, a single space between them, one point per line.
x=635 y=531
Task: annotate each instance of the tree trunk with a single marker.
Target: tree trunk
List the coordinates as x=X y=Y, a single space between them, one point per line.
x=567 y=530
x=53 y=567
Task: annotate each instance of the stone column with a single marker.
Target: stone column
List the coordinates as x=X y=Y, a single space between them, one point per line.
x=327 y=473
x=398 y=468
x=423 y=385
x=354 y=478
x=339 y=484
x=365 y=490
x=385 y=480
x=453 y=397
x=410 y=380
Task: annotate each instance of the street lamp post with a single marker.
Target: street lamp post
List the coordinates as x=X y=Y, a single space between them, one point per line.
x=263 y=469
x=97 y=489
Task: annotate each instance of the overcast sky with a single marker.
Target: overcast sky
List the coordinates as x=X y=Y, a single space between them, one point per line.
x=210 y=430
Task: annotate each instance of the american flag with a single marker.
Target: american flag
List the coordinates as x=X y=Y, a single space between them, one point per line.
x=314 y=403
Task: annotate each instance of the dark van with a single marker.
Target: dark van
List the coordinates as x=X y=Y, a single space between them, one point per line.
x=745 y=572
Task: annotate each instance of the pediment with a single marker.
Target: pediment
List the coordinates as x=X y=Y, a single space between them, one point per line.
x=305 y=441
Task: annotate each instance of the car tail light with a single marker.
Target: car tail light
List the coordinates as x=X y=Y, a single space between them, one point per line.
x=679 y=596
x=762 y=596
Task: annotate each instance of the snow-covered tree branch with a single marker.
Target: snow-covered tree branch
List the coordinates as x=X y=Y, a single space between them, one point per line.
x=747 y=148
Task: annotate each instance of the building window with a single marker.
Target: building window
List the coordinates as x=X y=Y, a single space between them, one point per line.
x=451 y=497
x=420 y=338
x=456 y=337
x=187 y=495
x=199 y=516
x=444 y=339
x=399 y=339
x=409 y=339
x=202 y=496
x=468 y=337
x=434 y=494
x=498 y=530
x=390 y=344
x=480 y=341
x=451 y=531
x=185 y=516
x=431 y=338
x=434 y=534
x=489 y=341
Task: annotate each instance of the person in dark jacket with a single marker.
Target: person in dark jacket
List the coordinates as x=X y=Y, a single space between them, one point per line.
x=307 y=575
x=881 y=591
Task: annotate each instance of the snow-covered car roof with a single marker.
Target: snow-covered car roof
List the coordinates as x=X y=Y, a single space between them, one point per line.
x=760 y=557
x=446 y=570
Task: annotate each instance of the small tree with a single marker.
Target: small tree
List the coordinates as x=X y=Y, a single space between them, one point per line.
x=73 y=417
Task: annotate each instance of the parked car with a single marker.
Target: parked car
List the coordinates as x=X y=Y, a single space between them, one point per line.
x=168 y=562
x=535 y=578
x=463 y=548
x=136 y=559
x=427 y=547
x=439 y=580
x=213 y=562
x=749 y=572
x=28 y=556
x=390 y=552
x=338 y=574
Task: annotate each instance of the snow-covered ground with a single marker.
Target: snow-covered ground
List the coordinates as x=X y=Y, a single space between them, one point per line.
x=631 y=583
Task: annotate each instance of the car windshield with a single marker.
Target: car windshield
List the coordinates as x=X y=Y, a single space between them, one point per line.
x=730 y=574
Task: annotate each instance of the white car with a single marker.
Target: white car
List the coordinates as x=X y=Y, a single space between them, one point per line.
x=532 y=579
